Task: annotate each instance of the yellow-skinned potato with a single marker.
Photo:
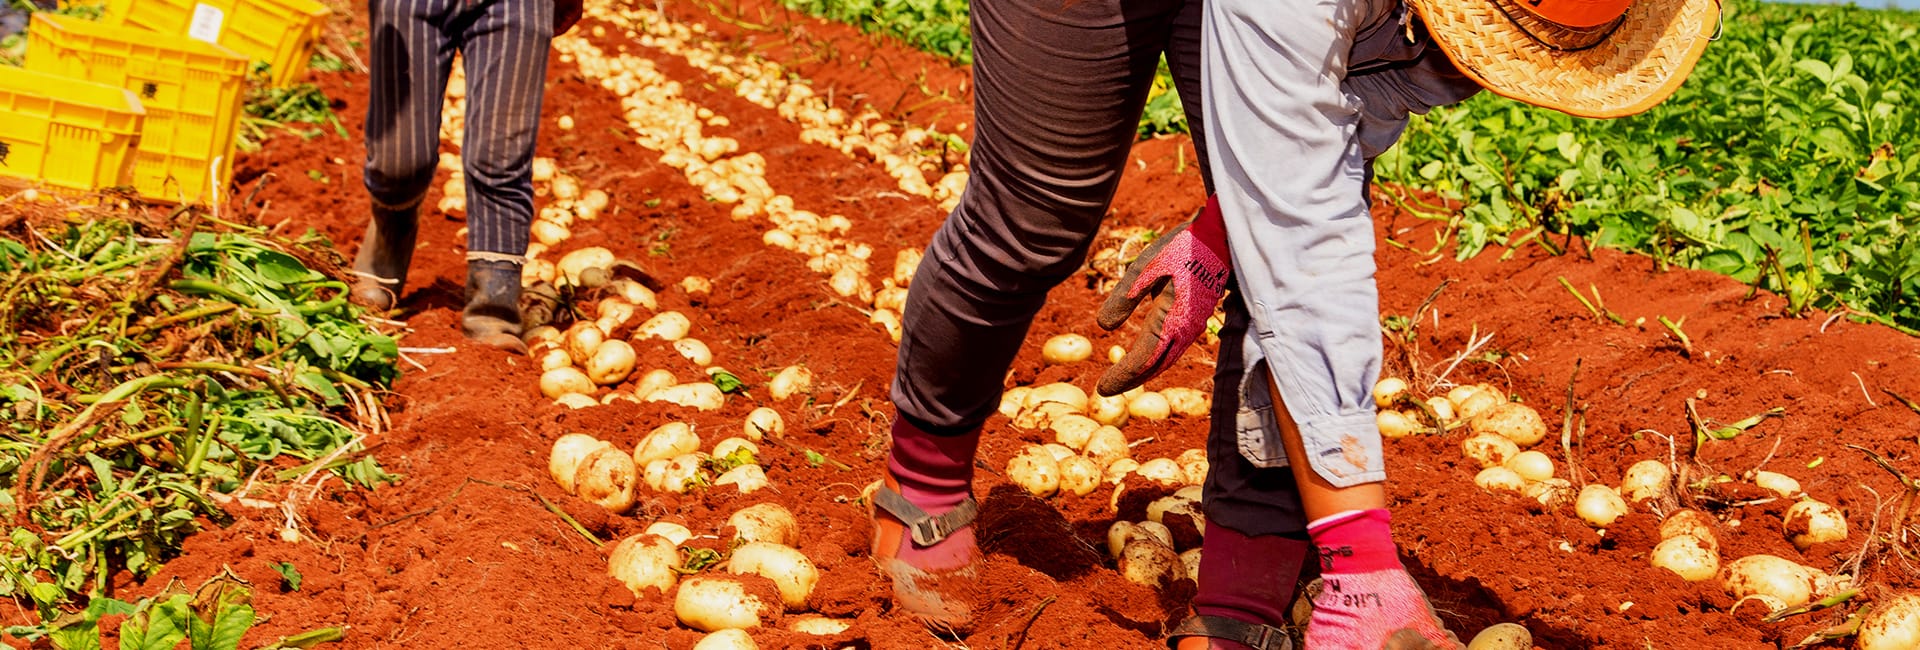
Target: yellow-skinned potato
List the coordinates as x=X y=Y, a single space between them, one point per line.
x=1504 y=636
x=703 y=396
x=727 y=640
x=791 y=572
x=673 y=532
x=1780 y=484
x=1187 y=402
x=1394 y=424
x=666 y=326
x=666 y=441
x=583 y=338
x=1792 y=583
x=643 y=562
x=1599 y=505
x=694 y=351
x=1066 y=348
x=562 y=381
x=1531 y=465
x=1063 y=393
x=1647 y=479
x=745 y=478
x=574 y=263
x=1686 y=556
x=1812 y=522
x=1035 y=471
x=710 y=603
x=652 y=381
x=1149 y=406
x=576 y=401
x=1489 y=450
x=1073 y=430
x=763 y=422
x=1079 y=475
x=1517 y=422
x=1110 y=410
x=1892 y=625
x=606 y=478
x=1150 y=563
x=1163 y=471
x=611 y=362
x=1107 y=445
x=569 y=451
x=1388 y=390
x=816 y=625
x=1499 y=479
x=765 y=522
x=789 y=382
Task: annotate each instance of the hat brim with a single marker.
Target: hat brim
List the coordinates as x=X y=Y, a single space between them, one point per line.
x=1634 y=68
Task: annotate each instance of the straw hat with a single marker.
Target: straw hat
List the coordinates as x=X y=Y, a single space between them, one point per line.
x=1591 y=58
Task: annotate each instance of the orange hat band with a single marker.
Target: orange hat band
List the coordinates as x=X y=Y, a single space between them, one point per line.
x=1577 y=14
x=1553 y=35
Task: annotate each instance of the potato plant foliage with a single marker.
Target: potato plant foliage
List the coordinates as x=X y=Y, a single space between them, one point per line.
x=1787 y=161
x=143 y=374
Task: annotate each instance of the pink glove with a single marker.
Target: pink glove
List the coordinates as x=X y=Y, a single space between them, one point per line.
x=1367 y=601
x=1186 y=272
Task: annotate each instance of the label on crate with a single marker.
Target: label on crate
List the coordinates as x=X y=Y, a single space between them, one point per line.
x=207 y=20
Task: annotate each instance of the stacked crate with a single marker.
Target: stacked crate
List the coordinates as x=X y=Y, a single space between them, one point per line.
x=149 y=98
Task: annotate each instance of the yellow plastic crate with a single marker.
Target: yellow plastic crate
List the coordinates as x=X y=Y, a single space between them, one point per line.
x=280 y=33
x=191 y=90
x=66 y=132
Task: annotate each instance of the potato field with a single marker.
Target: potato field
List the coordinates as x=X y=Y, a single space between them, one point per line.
x=202 y=445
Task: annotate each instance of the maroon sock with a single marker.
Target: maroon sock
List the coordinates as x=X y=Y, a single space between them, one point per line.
x=1251 y=579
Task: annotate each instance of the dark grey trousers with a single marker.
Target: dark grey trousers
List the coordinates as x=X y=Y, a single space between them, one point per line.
x=504 y=45
x=1059 y=87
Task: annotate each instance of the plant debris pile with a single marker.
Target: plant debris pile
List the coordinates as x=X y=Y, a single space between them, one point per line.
x=147 y=381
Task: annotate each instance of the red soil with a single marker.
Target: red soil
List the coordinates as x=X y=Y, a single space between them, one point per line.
x=461 y=554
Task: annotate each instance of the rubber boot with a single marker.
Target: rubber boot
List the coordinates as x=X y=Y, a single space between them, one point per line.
x=923 y=536
x=492 y=314
x=1247 y=584
x=386 y=250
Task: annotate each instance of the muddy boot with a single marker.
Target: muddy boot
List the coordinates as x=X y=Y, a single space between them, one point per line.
x=923 y=525
x=380 y=268
x=1247 y=584
x=492 y=314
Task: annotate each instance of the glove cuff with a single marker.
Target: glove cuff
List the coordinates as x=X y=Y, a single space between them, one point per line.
x=1210 y=228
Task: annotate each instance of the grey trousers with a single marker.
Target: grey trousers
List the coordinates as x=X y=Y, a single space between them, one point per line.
x=504 y=44
x=1059 y=87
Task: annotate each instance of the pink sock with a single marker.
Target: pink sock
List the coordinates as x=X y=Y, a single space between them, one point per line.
x=935 y=473
x=1366 y=594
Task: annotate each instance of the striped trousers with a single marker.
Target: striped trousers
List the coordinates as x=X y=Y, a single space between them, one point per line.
x=504 y=46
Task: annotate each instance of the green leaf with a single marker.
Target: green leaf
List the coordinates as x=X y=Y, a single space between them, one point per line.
x=289 y=574
x=728 y=383
x=158 y=628
x=1818 y=69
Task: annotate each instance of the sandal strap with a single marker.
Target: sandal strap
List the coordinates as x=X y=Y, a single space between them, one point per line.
x=925 y=529
x=1252 y=635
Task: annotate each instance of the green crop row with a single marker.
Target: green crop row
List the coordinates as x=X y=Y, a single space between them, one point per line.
x=1787 y=161
x=936 y=26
